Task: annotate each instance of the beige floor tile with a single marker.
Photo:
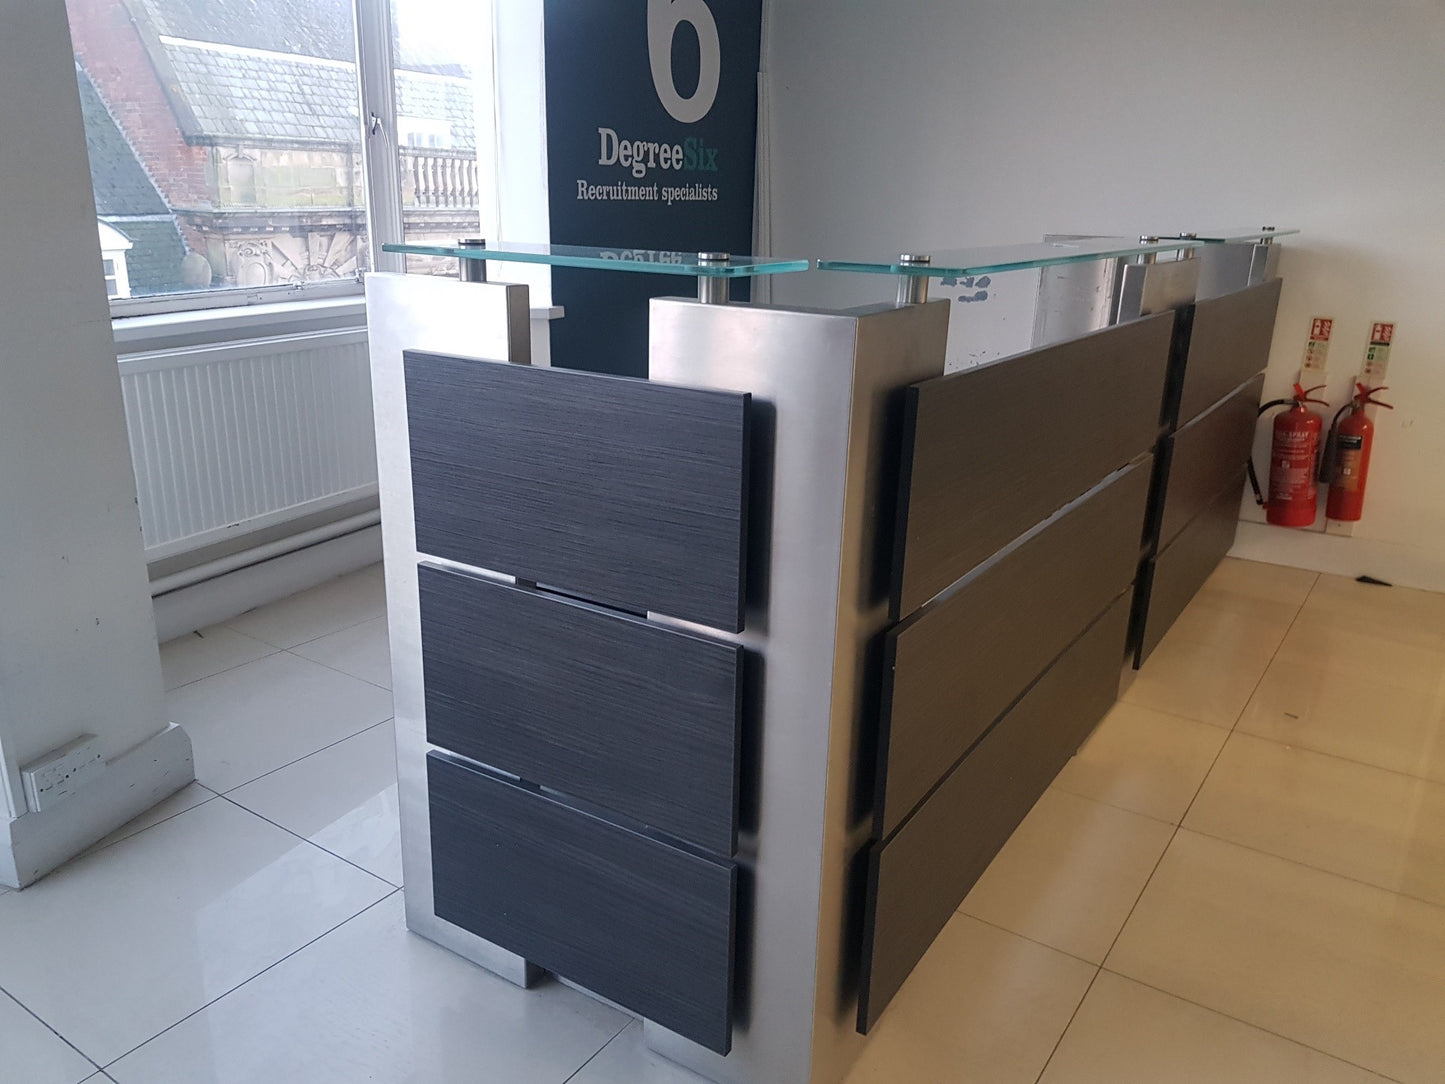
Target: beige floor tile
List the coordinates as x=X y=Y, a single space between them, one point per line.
x=1396 y=613
x=1344 y=967
x=1238 y=622
x=1244 y=606
x=1070 y=873
x=1208 y=683
x=1144 y=761
x=1334 y=646
x=1256 y=580
x=1348 y=711
x=1352 y=819
x=1126 y=1033
x=982 y=1005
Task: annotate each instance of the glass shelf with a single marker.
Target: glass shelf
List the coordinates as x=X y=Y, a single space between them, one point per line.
x=1224 y=237
x=650 y=261
x=961 y=263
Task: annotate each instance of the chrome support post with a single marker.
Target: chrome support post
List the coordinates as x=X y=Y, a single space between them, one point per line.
x=472 y=270
x=713 y=289
x=913 y=289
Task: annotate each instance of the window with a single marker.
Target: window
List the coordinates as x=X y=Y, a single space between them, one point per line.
x=226 y=142
x=435 y=47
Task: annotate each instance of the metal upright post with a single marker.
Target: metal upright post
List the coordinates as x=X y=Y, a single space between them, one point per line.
x=913 y=289
x=713 y=289
x=472 y=270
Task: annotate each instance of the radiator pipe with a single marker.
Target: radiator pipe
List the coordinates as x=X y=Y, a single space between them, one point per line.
x=282 y=546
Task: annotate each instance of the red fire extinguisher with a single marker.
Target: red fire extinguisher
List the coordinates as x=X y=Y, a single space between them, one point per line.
x=1293 y=494
x=1350 y=443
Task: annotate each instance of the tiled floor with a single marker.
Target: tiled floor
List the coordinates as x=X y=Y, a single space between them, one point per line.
x=1241 y=877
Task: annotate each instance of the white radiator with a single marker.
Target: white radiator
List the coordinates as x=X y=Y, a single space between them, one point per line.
x=233 y=437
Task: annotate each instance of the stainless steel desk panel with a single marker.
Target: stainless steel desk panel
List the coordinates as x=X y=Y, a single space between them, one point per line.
x=485 y=320
x=827 y=397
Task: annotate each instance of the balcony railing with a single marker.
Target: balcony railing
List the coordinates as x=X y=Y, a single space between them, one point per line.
x=439 y=178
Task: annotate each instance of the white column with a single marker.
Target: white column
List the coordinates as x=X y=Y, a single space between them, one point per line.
x=78 y=648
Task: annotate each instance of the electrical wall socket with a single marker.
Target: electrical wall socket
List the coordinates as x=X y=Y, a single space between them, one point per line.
x=61 y=772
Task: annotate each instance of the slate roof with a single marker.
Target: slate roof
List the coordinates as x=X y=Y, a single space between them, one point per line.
x=127 y=200
x=319 y=28
x=154 y=261
x=248 y=97
x=122 y=186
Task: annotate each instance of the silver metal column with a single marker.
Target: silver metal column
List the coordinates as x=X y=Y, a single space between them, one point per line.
x=479 y=320
x=713 y=289
x=472 y=270
x=1075 y=299
x=824 y=389
x=913 y=289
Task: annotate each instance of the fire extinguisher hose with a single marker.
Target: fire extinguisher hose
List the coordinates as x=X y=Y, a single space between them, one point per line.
x=1249 y=463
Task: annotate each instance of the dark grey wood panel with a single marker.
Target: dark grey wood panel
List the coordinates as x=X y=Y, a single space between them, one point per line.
x=952 y=668
x=621 y=491
x=917 y=879
x=991 y=451
x=624 y=713
x=1228 y=343
x=1170 y=580
x=647 y=925
x=1207 y=455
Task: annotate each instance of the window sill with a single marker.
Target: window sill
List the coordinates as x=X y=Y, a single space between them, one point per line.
x=201 y=327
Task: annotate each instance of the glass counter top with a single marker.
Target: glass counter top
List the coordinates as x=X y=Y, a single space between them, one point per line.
x=650 y=261
x=959 y=263
x=1224 y=237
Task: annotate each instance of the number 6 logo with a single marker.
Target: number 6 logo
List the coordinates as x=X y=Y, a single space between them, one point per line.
x=663 y=19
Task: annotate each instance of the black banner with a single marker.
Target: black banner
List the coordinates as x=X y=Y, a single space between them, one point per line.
x=651 y=148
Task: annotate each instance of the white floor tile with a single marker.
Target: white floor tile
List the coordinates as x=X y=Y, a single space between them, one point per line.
x=261 y=716
x=115 y=947
x=342 y=798
x=188 y=797
x=626 y=1060
x=32 y=1053
x=337 y=604
x=1125 y=1033
x=363 y=651
x=372 y=1002
x=200 y=654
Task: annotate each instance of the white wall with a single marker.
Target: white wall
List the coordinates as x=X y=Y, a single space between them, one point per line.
x=77 y=637
x=921 y=124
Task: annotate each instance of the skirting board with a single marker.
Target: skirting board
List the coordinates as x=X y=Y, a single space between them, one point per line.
x=232 y=594
x=1401 y=565
x=33 y=845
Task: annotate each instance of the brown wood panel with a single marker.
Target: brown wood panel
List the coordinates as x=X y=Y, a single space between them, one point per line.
x=1229 y=341
x=624 y=492
x=1207 y=455
x=637 y=718
x=917 y=879
x=1170 y=580
x=991 y=451
x=647 y=925
x=952 y=668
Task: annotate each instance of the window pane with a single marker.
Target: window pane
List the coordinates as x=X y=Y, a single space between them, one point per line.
x=436 y=44
x=224 y=138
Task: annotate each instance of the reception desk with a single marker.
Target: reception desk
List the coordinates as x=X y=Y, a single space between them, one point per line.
x=716 y=692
